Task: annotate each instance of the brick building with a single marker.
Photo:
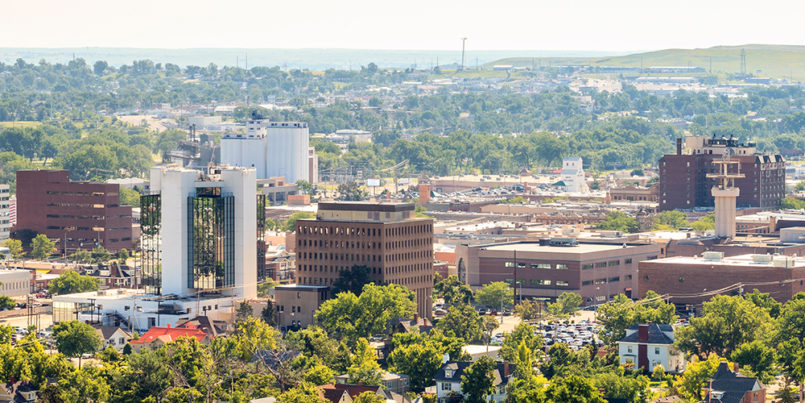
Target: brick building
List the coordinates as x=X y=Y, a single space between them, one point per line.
x=546 y=269
x=386 y=237
x=684 y=185
x=693 y=280
x=82 y=213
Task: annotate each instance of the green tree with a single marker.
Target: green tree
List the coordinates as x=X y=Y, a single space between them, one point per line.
x=369 y=397
x=83 y=385
x=573 y=389
x=14 y=248
x=244 y=311
x=81 y=256
x=351 y=191
x=269 y=313
x=305 y=392
x=670 y=221
x=352 y=280
x=622 y=313
x=690 y=386
x=100 y=254
x=350 y=317
x=523 y=334
x=74 y=338
x=123 y=255
x=6 y=302
x=765 y=301
x=129 y=197
x=528 y=310
x=759 y=357
x=566 y=304
x=290 y=223
x=726 y=323
x=453 y=291
x=790 y=203
x=619 y=221
x=462 y=321
x=314 y=342
x=615 y=386
x=496 y=294
x=319 y=375
x=790 y=323
x=478 y=380
x=252 y=334
x=419 y=361
x=708 y=222
x=42 y=247
x=71 y=282
x=364 y=367
x=304 y=186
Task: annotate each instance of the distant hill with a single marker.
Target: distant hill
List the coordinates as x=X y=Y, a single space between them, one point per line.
x=779 y=61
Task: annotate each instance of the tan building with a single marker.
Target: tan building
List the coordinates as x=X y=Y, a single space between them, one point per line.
x=15 y=283
x=386 y=237
x=545 y=269
x=297 y=304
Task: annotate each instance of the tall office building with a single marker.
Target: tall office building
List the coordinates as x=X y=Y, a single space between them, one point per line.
x=272 y=148
x=386 y=237
x=5 y=212
x=683 y=176
x=80 y=215
x=203 y=230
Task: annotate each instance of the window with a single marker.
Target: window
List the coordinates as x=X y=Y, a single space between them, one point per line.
x=509 y=264
x=628 y=261
x=613 y=263
x=587 y=266
x=541 y=266
x=540 y=282
x=629 y=349
x=561 y=283
x=656 y=351
x=600 y=265
x=520 y=265
x=446 y=385
x=587 y=282
x=561 y=266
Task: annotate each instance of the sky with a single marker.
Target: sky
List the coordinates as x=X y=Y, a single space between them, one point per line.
x=594 y=25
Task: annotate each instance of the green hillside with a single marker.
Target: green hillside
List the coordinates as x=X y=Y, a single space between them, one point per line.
x=779 y=61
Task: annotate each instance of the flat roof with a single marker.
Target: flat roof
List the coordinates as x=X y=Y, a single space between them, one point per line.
x=740 y=260
x=366 y=206
x=536 y=247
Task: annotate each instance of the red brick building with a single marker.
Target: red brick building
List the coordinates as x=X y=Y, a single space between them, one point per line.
x=82 y=213
x=684 y=185
x=386 y=237
x=693 y=280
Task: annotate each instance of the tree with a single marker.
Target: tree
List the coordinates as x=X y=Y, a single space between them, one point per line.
x=71 y=282
x=100 y=254
x=123 y=255
x=6 y=302
x=14 y=248
x=99 y=67
x=129 y=197
x=726 y=323
x=42 y=247
x=462 y=321
x=83 y=385
x=351 y=191
x=759 y=357
x=319 y=374
x=619 y=221
x=364 y=367
x=351 y=280
x=496 y=294
x=305 y=392
x=790 y=203
x=269 y=314
x=708 y=222
x=453 y=291
x=573 y=389
x=244 y=311
x=304 y=186
x=264 y=288
x=523 y=334
x=691 y=384
x=290 y=223
x=625 y=388
x=252 y=334
x=670 y=221
x=622 y=313
x=528 y=310
x=313 y=342
x=81 y=256
x=350 y=317
x=567 y=304
x=765 y=301
x=75 y=338
x=791 y=320
x=419 y=361
x=478 y=380
x=369 y=397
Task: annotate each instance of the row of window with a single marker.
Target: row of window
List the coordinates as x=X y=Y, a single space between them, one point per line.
x=521 y=265
x=408 y=281
x=362 y=231
x=601 y=265
x=605 y=280
x=395 y=257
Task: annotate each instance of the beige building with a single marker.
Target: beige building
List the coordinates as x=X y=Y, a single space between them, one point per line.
x=15 y=283
x=296 y=305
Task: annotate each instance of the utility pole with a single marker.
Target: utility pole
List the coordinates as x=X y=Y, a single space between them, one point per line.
x=463 y=43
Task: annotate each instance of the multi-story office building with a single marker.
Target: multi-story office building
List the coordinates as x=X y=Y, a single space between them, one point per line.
x=272 y=148
x=546 y=269
x=5 y=212
x=200 y=237
x=683 y=176
x=386 y=237
x=80 y=215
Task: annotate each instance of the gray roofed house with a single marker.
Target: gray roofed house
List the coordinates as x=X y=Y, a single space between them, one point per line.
x=730 y=387
x=448 y=379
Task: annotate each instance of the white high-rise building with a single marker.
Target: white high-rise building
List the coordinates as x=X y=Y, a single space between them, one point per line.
x=573 y=175
x=5 y=212
x=272 y=148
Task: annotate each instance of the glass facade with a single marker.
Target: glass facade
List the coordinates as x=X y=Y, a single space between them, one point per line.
x=211 y=243
x=262 y=272
x=150 y=241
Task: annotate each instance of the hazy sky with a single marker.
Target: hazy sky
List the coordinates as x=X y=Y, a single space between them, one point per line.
x=618 y=25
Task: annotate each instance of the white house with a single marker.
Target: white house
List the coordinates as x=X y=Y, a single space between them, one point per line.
x=573 y=175
x=649 y=345
x=113 y=336
x=448 y=380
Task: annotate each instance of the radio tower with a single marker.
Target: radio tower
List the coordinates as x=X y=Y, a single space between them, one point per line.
x=463 y=42
x=725 y=193
x=743 y=62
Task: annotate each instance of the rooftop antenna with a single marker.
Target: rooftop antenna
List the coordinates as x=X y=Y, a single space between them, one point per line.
x=743 y=62
x=463 y=43
x=247 y=61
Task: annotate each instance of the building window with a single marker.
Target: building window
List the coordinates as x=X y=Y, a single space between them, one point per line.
x=561 y=283
x=561 y=266
x=628 y=261
x=629 y=349
x=509 y=264
x=587 y=266
x=446 y=385
x=541 y=266
x=613 y=263
x=656 y=351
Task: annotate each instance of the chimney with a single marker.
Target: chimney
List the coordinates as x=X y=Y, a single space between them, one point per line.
x=506 y=369
x=642 y=333
x=735 y=367
x=679 y=146
x=416 y=318
x=169 y=326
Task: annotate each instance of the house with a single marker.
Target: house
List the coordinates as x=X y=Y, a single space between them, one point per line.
x=448 y=380
x=18 y=392
x=157 y=336
x=729 y=387
x=113 y=336
x=204 y=323
x=402 y=325
x=344 y=393
x=396 y=383
x=649 y=345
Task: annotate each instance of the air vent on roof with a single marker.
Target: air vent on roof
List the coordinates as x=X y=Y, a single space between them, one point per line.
x=559 y=242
